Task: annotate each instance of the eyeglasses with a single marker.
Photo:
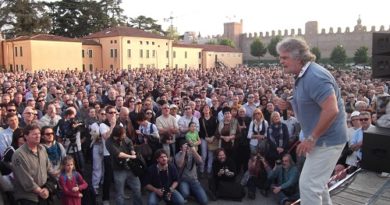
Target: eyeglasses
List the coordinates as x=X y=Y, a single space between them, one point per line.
x=364 y=119
x=165 y=108
x=111 y=113
x=11 y=110
x=103 y=113
x=49 y=133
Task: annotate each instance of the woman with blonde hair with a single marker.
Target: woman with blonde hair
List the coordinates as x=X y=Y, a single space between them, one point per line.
x=257 y=132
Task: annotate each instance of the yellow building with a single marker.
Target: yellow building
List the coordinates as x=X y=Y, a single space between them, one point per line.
x=112 y=49
x=41 y=52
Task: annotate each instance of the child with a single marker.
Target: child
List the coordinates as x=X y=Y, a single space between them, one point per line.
x=192 y=136
x=71 y=183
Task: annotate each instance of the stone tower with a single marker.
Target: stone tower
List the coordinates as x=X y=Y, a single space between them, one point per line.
x=311 y=28
x=233 y=30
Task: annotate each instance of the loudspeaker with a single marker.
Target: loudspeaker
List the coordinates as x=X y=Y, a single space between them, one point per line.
x=381 y=55
x=381 y=43
x=376 y=149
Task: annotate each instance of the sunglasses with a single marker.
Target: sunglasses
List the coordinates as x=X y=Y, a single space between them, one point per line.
x=111 y=113
x=103 y=113
x=49 y=133
x=364 y=119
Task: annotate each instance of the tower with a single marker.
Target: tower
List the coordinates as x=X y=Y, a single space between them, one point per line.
x=232 y=30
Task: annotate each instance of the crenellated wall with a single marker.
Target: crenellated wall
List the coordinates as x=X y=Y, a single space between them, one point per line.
x=326 y=40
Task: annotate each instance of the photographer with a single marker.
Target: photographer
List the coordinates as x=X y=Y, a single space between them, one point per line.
x=162 y=180
x=186 y=161
x=121 y=149
x=257 y=176
x=69 y=133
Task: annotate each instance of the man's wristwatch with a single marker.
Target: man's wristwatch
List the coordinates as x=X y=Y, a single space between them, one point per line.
x=310 y=138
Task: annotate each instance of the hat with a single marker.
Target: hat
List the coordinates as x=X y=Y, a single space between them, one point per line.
x=172 y=106
x=30 y=98
x=355 y=114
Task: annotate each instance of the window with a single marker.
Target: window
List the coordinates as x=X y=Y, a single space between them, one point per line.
x=111 y=53
x=90 y=53
x=185 y=65
x=111 y=41
x=115 y=41
x=21 y=51
x=21 y=68
x=185 y=54
x=112 y=67
x=174 y=54
x=154 y=53
x=17 y=67
x=147 y=53
x=141 y=53
x=128 y=41
x=152 y=42
x=82 y=53
x=83 y=67
x=115 y=53
x=90 y=67
x=16 y=51
x=167 y=54
x=129 y=66
x=147 y=42
x=200 y=55
x=129 y=53
x=200 y=65
x=140 y=42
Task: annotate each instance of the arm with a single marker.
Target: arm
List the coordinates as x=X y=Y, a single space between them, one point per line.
x=328 y=114
x=65 y=190
x=81 y=182
x=292 y=178
x=22 y=174
x=250 y=131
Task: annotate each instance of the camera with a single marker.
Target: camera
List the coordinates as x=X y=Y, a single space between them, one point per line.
x=71 y=128
x=167 y=194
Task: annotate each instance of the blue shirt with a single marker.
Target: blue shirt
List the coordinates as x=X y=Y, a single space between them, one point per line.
x=312 y=87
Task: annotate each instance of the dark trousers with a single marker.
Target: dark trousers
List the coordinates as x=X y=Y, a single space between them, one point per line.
x=28 y=202
x=255 y=182
x=108 y=176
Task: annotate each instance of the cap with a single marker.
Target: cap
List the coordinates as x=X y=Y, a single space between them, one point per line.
x=172 y=106
x=29 y=98
x=355 y=114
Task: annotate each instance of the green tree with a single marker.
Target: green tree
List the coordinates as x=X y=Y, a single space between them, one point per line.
x=272 y=46
x=226 y=42
x=361 y=55
x=211 y=42
x=21 y=17
x=338 y=55
x=114 y=12
x=146 y=24
x=316 y=51
x=258 y=49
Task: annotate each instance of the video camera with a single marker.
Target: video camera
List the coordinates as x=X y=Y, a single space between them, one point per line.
x=71 y=128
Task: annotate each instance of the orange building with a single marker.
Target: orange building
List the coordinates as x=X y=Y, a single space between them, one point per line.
x=111 y=49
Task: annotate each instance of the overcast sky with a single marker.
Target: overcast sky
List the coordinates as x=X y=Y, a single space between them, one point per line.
x=208 y=16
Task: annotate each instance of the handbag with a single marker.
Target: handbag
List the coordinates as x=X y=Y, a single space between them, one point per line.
x=145 y=150
x=213 y=145
x=137 y=166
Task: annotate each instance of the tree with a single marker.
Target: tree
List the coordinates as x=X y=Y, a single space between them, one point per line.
x=316 y=51
x=114 y=13
x=20 y=17
x=361 y=55
x=272 y=46
x=226 y=42
x=211 y=42
x=146 y=24
x=258 y=49
x=338 y=55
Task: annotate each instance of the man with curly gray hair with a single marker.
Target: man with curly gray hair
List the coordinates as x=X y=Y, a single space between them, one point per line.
x=319 y=108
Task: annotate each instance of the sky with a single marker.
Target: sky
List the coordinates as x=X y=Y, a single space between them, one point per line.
x=207 y=16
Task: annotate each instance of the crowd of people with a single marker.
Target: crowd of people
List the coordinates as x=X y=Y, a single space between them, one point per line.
x=178 y=126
